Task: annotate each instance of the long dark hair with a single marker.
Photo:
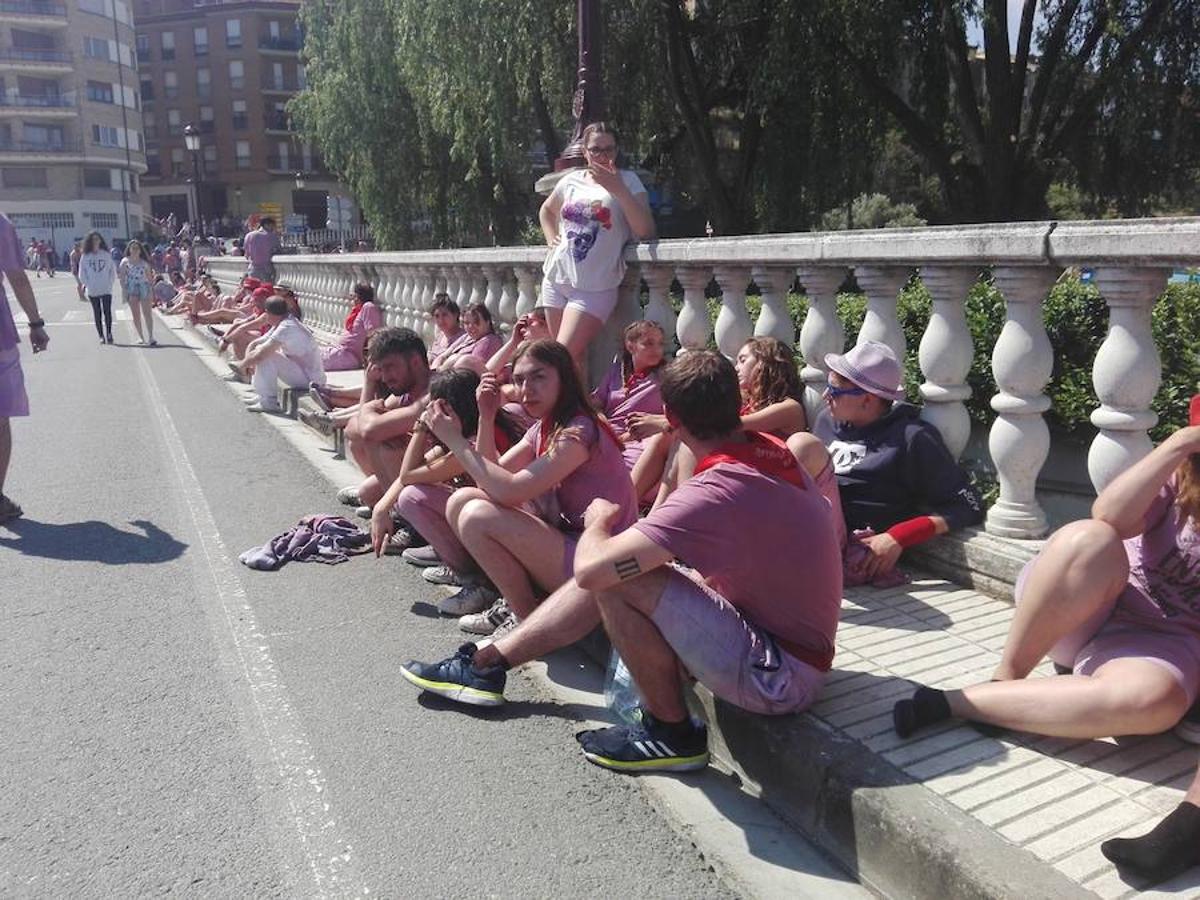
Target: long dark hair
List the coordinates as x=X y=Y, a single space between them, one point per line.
x=93 y=238
x=457 y=387
x=632 y=333
x=778 y=378
x=572 y=396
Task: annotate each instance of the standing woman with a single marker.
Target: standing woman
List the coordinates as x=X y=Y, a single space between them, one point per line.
x=587 y=220
x=136 y=275
x=96 y=273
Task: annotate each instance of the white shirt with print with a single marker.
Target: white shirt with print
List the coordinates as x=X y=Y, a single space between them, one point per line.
x=593 y=232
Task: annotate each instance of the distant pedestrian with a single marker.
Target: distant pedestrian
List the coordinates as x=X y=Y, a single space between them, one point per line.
x=76 y=255
x=97 y=272
x=259 y=246
x=136 y=277
x=13 y=399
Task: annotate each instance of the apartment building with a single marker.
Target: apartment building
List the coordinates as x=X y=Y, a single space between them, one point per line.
x=227 y=68
x=71 y=146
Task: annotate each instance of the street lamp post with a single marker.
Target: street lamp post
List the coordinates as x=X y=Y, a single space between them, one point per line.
x=191 y=139
x=587 y=105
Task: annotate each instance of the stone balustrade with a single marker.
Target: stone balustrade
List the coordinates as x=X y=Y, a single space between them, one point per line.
x=1131 y=261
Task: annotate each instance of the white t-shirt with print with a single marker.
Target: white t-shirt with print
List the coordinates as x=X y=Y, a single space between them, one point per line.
x=592 y=233
x=299 y=345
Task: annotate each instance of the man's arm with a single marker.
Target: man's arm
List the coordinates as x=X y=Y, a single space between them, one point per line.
x=376 y=424
x=24 y=294
x=258 y=351
x=602 y=560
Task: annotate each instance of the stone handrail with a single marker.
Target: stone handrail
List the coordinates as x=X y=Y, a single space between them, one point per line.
x=1131 y=261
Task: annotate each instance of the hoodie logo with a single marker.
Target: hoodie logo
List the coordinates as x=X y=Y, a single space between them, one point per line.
x=846 y=455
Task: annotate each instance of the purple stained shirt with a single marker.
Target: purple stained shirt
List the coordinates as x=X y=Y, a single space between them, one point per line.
x=617 y=401
x=11 y=259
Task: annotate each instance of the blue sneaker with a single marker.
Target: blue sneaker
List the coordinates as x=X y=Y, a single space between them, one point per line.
x=648 y=747
x=456 y=679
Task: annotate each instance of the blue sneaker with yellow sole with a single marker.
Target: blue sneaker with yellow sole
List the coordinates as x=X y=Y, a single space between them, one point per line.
x=650 y=746
x=456 y=679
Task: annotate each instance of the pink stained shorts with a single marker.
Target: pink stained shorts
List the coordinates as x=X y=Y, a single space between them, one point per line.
x=1105 y=637
x=728 y=654
x=13 y=399
x=597 y=304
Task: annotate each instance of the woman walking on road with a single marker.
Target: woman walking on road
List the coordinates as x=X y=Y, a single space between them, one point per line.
x=96 y=273
x=136 y=276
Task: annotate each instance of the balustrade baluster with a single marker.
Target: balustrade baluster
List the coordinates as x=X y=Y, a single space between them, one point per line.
x=733 y=326
x=693 y=327
x=946 y=353
x=1022 y=362
x=527 y=279
x=492 y=297
x=658 y=306
x=821 y=333
x=1126 y=373
x=882 y=285
x=774 y=320
x=478 y=283
x=508 y=298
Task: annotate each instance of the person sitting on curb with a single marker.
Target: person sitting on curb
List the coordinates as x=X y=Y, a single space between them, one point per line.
x=251 y=324
x=630 y=386
x=1112 y=601
x=394 y=393
x=899 y=484
x=475 y=346
x=447 y=325
x=287 y=352
x=521 y=522
x=429 y=474
x=363 y=319
x=753 y=621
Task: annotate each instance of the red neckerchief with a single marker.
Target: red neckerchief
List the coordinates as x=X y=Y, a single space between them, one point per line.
x=354 y=311
x=548 y=431
x=746 y=410
x=764 y=452
x=636 y=378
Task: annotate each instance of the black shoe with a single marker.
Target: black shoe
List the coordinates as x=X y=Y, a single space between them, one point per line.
x=648 y=747
x=456 y=679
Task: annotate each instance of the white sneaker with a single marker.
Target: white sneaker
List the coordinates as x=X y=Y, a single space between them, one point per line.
x=422 y=557
x=363 y=512
x=442 y=574
x=264 y=408
x=488 y=621
x=348 y=496
x=399 y=542
x=472 y=598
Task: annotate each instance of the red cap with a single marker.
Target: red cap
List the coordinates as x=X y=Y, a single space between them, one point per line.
x=1194 y=411
x=266 y=292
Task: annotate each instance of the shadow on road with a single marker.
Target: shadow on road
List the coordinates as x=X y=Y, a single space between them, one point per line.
x=92 y=541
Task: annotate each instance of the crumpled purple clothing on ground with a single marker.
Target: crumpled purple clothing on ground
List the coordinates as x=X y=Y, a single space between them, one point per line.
x=323 y=539
x=854 y=564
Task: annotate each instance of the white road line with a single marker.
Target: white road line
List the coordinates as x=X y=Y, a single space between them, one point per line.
x=326 y=851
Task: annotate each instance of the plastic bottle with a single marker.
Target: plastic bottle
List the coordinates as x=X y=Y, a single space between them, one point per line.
x=620 y=693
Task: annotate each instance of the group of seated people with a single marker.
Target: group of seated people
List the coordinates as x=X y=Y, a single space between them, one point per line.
x=692 y=510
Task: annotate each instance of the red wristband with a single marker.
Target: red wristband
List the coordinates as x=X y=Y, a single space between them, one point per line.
x=913 y=531
x=1194 y=411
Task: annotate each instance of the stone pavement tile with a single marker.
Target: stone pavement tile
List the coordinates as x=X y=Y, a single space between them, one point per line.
x=877 y=690
x=981 y=625
x=1111 y=885
x=1059 y=809
x=898 y=640
x=966 y=755
x=855 y=681
x=1185 y=885
x=863 y=637
x=852 y=621
x=1146 y=753
x=986 y=666
x=960 y=606
x=1011 y=806
x=869 y=728
x=1089 y=829
x=1084 y=864
x=899 y=651
x=933 y=669
x=1180 y=764
x=866 y=711
x=914 y=751
x=1027 y=769
x=1162 y=798
x=888 y=739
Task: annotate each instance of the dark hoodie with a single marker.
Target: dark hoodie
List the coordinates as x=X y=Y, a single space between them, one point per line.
x=896 y=468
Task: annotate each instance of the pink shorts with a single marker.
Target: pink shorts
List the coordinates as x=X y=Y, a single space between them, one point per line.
x=728 y=654
x=1111 y=633
x=597 y=304
x=13 y=399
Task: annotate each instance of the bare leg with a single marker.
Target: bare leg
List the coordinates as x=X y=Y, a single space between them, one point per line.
x=147 y=306
x=386 y=458
x=5 y=449
x=626 y=611
x=576 y=332
x=553 y=320
x=136 y=309
x=1082 y=569
x=648 y=470
x=516 y=550
x=563 y=618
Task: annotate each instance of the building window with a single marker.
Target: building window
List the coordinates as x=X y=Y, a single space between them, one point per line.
x=239 y=115
x=200 y=41
x=106 y=136
x=143 y=48
x=174 y=122
x=24 y=178
x=149 y=126
x=170 y=85
x=168 y=45
x=93 y=6
x=177 y=162
x=301 y=77
x=100 y=92
x=43 y=220
x=147 y=90
x=210 y=159
x=273 y=30
x=233 y=33
x=237 y=74
x=107 y=221
x=203 y=84
x=96 y=48
x=242 y=154
x=153 y=164
x=98 y=178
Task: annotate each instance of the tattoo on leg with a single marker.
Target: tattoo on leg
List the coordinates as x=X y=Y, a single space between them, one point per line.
x=627 y=568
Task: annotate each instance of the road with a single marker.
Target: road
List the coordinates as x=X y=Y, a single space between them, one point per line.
x=173 y=721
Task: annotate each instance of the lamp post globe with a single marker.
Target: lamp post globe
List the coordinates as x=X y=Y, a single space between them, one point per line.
x=300 y=181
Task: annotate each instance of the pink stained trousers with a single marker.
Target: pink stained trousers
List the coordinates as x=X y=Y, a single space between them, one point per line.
x=423 y=506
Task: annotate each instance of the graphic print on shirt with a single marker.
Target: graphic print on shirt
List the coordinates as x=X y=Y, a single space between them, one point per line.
x=846 y=455
x=1171 y=582
x=591 y=216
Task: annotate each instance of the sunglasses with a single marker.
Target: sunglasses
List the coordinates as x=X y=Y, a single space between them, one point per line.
x=832 y=391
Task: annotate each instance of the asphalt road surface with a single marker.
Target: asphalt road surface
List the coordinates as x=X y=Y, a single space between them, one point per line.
x=171 y=721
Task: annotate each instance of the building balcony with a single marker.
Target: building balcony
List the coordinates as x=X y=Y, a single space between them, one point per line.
x=40 y=151
x=282 y=165
x=47 y=61
x=38 y=107
x=272 y=85
x=33 y=12
x=287 y=45
x=277 y=122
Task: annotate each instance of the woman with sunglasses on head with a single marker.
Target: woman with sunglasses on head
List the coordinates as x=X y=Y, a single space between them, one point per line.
x=587 y=220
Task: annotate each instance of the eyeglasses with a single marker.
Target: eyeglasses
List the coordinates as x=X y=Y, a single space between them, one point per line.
x=605 y=150
x=833 y=391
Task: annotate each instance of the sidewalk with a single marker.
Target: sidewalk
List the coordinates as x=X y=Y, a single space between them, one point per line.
x=951 y=813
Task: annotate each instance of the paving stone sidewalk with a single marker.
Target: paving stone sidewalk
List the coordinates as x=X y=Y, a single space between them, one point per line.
x=1056 y=798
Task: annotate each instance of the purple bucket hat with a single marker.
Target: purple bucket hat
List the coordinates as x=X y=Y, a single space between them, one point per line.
x=872 y=366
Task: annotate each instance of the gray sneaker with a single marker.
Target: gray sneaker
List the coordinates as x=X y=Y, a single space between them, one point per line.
x=363 y=512
x=442 y=574
x=348 y=496
x=399 y=542
x=422 y=557
x=489 y=621
x=471 y=599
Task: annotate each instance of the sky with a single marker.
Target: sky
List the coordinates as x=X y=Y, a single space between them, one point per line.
x=975 y=28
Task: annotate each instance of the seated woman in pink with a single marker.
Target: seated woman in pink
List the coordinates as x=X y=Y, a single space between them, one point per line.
x=252 y=324
x=521 y=522
x=479 y=341
x=446 y=323
x=631 y=385
x=364 y=318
